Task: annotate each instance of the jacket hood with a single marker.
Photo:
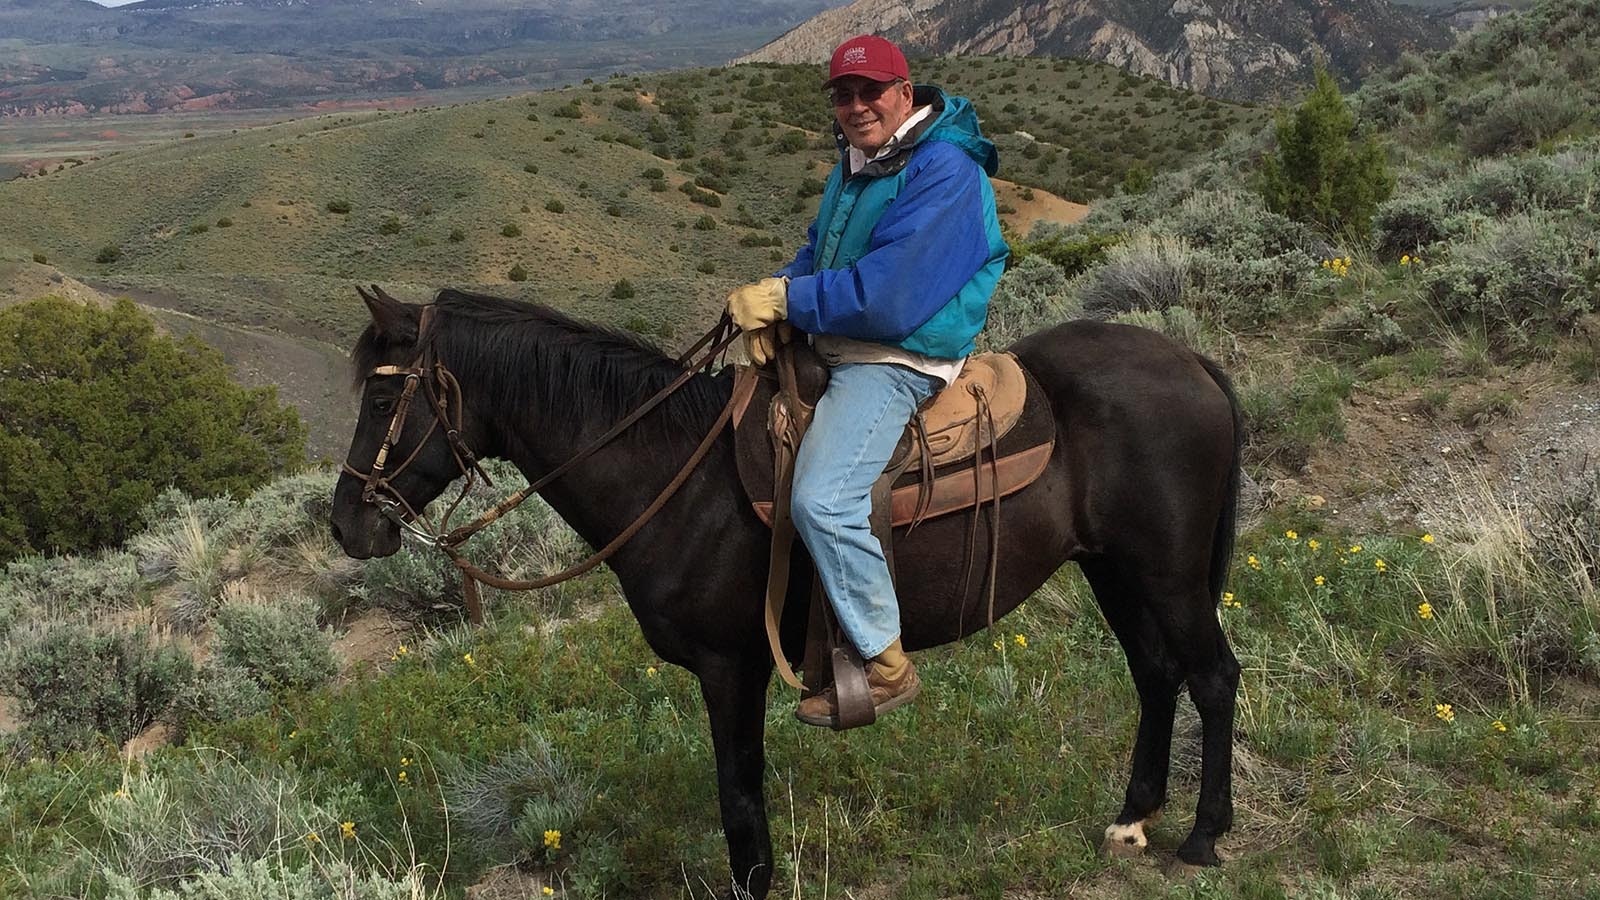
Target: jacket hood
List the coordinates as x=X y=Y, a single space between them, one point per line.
x=957 y=123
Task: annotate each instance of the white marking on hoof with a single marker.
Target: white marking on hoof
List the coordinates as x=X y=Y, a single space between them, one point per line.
x=1125 y=841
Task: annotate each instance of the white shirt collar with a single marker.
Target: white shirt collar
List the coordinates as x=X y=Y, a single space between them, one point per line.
x=859 y=159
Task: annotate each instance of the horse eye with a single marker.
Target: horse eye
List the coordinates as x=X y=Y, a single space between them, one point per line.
x=383 y=405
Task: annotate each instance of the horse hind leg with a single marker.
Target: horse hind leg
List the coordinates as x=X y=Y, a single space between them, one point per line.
x=1188 y=620
x=1157 y=678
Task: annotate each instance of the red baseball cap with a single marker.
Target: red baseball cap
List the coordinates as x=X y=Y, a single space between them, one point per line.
x=869 y=56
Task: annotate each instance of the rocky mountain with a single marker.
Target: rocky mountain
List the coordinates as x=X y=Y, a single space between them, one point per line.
x=67 y=57
x=1248 y=49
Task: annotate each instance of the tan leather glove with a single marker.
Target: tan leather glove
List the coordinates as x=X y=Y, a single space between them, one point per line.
x=761 y=345
x=759 y=304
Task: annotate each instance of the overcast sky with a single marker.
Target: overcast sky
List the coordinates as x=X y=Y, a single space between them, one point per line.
x=114 y=2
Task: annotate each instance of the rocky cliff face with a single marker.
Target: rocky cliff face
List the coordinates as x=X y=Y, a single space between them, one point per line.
x=1250 y=49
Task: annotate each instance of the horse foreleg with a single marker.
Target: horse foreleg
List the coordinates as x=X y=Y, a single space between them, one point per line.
x=736 y=701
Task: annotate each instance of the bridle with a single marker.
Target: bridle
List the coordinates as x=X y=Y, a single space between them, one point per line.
x=443 y=392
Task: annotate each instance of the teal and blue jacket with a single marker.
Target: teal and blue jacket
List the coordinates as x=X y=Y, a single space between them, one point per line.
x=907 y=251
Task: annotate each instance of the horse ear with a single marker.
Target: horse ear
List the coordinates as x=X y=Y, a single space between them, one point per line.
x=392 y=320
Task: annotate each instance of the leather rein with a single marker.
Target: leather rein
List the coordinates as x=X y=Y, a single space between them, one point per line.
x=439 y=387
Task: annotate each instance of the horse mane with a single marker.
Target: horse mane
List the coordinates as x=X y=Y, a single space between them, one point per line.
x=577 y=374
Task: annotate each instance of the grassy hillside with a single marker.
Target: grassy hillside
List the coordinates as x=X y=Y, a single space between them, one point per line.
x=1413 y=597
x=432 y=194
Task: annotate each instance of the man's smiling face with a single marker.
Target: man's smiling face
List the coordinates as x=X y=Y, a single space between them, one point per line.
x=868 y=111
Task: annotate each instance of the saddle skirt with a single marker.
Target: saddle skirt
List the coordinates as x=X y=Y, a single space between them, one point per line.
x=953 y=423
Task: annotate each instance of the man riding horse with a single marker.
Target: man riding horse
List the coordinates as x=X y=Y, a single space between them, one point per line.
x=893 y=284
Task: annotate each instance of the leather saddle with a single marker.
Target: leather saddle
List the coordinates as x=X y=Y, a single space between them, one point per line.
x=989 y=434
x=934 y=460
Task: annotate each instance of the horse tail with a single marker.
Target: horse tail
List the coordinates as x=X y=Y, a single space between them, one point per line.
x=1227 y=519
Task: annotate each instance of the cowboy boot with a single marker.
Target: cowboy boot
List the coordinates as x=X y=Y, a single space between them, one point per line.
x=891 y=679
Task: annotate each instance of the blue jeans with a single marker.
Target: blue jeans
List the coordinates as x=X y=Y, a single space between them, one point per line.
x=852 y=435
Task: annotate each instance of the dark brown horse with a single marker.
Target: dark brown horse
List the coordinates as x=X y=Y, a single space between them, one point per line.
x=1140 y=492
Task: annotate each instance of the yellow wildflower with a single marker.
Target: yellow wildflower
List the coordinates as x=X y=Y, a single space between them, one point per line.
x=399 y=652
x=1405 y=259
x=1380 y=565
x=1020 y=640
x=998 y=645
x=1252 y=562
x=347 y=830
x=1230 y=603
x=294 y=734
x=403 y=778
x=1424 y=610
x=1498 y=725
x=313 y=838
x=1319 y=581
x=552 y=839
x=405 y=761
x=549 y=891
x=1427 y=539
x=1355 y=548
x=467 y=657
x=1313 y=545
x=1444 y=712
x=651 y=672
x=1292 y=535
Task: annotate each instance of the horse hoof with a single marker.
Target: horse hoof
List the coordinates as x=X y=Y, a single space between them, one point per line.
x=1125 y=841
x=1178 y=870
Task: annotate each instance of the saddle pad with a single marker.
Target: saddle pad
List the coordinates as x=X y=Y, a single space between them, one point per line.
x=1023 y=453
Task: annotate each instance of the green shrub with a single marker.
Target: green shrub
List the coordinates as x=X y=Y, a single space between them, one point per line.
x=1032 y=295
x=1408 y=224
x=705 y=223
x=40 y=258
x=530 y=168
x=68 y=588
x=110 y=253
x=1175 y=322
x=279 y=645
x=790 y=142
x=1522 y=279
x=457 y=236
x=1072 y=252
x=555 y=206
x=706 y=267
x=390 y=225
x=1144 y=272
x=510 y=802
x=219 y=692
x=271 y=876
x=1286 y=419
x=197 y=228
x=193 y=812
x=114 y=413
x=652 y=174
x=341 y=207
x=517 y=273
x=622 y=290
x=75 y=685
x=1322 y=170
x=224 y=222
x=1501 y=118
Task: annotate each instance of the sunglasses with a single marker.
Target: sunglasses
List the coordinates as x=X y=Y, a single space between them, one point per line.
x=869 y=93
